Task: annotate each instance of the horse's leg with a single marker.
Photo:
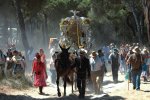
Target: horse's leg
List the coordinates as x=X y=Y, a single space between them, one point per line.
x=72 y=81
x=57 y=82
x=65 y=84
x=75 y=82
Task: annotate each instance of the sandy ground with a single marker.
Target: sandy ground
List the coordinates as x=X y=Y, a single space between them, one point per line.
x=111 y=91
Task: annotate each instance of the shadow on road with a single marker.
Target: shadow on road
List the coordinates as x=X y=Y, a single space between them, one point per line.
x=70 y=97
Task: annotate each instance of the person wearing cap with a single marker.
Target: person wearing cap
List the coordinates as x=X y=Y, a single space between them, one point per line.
x=83 y=69
x=97 y=72
x=136 y=61
x=114 y=61
x=39 y=73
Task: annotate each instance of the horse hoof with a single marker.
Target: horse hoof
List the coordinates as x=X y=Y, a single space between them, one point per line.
x=59 y=94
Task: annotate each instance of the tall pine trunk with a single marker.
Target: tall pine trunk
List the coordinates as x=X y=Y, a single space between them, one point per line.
x=45 y=32
x=21 y=24
x=132 y=6
x=146 y=7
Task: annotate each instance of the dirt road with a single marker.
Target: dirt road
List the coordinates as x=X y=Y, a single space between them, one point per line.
x=111 y=91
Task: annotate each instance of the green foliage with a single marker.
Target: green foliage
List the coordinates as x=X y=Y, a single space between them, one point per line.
x=84 y=4
x=30 y=8
x=102 y=12
x=111 y=14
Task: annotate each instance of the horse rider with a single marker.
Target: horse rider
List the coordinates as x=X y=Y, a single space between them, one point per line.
x=83 y=69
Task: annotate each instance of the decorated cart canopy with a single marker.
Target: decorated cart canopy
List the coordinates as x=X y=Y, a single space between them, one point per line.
x=76 y=31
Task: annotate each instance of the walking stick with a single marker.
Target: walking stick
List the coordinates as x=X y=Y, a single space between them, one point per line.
x=128 y=79
x=128 y=83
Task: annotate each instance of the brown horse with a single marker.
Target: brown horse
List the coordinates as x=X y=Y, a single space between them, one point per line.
x=64 y=69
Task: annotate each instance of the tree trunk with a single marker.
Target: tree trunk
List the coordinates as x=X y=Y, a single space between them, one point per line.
x=5 y=30
x=46 y=32
x=142 y=26
x=21 y=24
x=136 y=20
x=146 y=6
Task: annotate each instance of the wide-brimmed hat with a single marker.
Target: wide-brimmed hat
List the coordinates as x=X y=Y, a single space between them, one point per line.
x=82 y=51
x=145 y=51
x=136 y=49
x=93 y=54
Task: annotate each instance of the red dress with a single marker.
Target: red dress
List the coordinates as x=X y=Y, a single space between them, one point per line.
x=40 y=74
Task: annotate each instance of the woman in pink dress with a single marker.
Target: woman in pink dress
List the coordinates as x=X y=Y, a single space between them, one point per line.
x=39 y=72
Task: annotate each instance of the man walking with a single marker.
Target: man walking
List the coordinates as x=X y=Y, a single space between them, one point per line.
x=83 y=69
x=114 y=61
x=136 y=61
x=97 y=72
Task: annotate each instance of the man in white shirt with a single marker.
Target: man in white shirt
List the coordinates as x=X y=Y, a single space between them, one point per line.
x=97 y=72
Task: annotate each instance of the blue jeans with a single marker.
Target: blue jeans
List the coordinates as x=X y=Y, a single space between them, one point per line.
x=53 y=76
x=136 y=79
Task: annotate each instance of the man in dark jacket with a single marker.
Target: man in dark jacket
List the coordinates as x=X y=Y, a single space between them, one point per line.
x=114 y=61
x=83 y=69
x=136 y=61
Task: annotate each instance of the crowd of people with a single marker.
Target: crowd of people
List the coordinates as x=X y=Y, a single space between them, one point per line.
x=131 y=60
x=13 y=60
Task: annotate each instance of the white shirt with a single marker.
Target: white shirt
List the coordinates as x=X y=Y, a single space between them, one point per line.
x=96 y=63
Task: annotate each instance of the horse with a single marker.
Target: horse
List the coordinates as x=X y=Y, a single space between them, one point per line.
x=66 y=72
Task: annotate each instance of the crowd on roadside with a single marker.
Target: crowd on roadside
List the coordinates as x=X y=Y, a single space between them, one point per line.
x=132 y=60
